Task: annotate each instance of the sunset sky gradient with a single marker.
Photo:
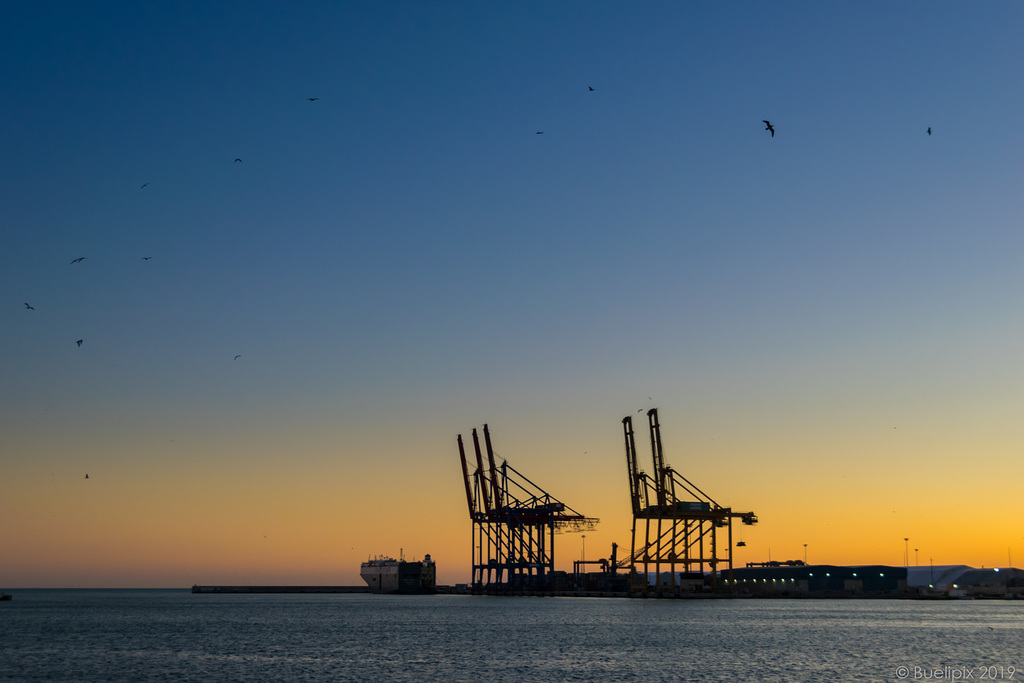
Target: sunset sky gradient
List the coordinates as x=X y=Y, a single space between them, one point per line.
x=829 y=320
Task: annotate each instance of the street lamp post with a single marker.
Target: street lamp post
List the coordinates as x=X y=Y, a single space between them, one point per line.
x=906 y=552
x=583 y=562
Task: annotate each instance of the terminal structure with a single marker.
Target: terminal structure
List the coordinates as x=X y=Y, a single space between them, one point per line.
x=675 y=524
x=681 y=538
x=514 y=524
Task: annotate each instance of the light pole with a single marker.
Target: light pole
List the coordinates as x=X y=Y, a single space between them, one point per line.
x=583 y=562
x=906 y=552
x=805 y=553
x=916 y=563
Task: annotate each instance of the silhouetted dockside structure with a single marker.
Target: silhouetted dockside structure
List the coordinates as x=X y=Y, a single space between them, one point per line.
x=676 y=526
x=514 y=524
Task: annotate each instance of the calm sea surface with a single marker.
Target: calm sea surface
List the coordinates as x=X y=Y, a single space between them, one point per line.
x=173 y=635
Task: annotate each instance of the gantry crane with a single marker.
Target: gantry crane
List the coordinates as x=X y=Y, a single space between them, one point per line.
x=514 y=524
x=678 y=522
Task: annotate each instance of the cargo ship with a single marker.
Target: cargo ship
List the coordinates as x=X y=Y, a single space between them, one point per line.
x=388 y=575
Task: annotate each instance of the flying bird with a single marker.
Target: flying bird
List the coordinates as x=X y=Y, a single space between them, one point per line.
x=87 y=476
x=78 y=260
x=237 y=357
x=590 y=88
x=929 y=130
x=540 y=132
x=238 y=161
x=146 y=258
x=79 y=342
x=312 y=99
x=768 y=126
x=143 y=186
x=29 y=308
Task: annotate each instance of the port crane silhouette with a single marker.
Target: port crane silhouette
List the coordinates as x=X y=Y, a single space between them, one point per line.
x=514 y=524
x=676 y=525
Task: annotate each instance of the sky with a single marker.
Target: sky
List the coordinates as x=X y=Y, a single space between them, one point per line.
x=321 y=240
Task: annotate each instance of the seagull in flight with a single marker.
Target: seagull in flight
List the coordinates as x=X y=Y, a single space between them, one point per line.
x=540 y=132
x=146 y=258
x=238 y=161
x=29 y=308
x=929 y=130
x=79 y=342
x=143 y=186
x=312 y=99
x=237 y=357
x=590 y=88
x=78 y=260
x=768 y=126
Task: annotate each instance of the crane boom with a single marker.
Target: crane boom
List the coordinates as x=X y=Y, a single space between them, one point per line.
x=631 y=467
x=465 y=476
x=660 y=475
x=482 y=480
x=494 y=471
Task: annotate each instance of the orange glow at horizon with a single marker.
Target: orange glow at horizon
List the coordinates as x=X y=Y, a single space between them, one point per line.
x=258 y=521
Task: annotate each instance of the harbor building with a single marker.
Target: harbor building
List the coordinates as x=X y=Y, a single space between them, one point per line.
x=820 y=579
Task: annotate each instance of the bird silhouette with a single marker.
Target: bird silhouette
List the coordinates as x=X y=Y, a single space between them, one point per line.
x=540 y=132
x=79 y=342
x=146 y=258
x=238 y=161
x=590 y=88
x=29 y=308
x=143 y=186
x=86 y=476
x=312 y=99
x=768 y=126
x=929 y=130
x=237 y=357
x=78 y=260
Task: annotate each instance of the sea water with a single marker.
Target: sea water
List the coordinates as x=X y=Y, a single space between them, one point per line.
x=174 y=635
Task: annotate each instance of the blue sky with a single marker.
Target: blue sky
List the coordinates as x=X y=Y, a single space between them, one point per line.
x=405 y=258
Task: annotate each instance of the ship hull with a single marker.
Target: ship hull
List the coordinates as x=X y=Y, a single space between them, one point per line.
x=397 y=576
